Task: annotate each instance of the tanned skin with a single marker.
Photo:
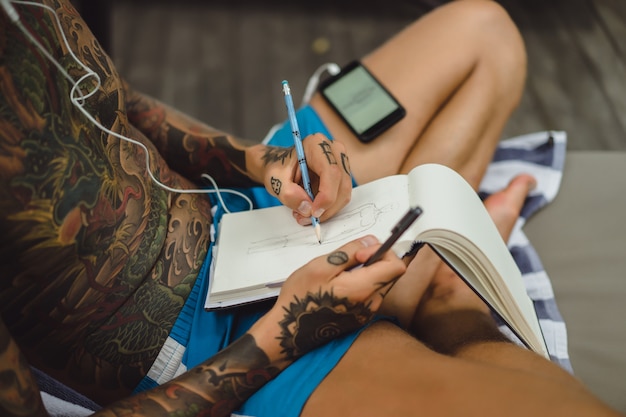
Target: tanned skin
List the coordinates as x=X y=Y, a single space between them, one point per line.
x=96 y=259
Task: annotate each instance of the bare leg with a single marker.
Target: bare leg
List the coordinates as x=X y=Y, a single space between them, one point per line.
x=389 y=372
x=459 y=71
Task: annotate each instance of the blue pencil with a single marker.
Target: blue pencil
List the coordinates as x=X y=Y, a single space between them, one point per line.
x=297 y=141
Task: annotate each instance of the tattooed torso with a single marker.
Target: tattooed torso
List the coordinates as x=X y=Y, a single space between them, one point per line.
x=96 y=260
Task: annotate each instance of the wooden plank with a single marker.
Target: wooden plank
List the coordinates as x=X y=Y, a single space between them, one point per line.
x=531 y=115
x=545 y=99
x=567 y=95
x=214 y=99
x=606 y=75
x=252 y=86
x=137 y=46
x=180 y=48
x=178 y=55
x=612 y=15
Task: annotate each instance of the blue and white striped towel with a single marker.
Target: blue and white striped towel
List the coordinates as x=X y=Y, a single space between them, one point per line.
x=542 y=155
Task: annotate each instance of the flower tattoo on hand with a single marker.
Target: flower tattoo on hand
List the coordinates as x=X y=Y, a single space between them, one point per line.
x=318 y=318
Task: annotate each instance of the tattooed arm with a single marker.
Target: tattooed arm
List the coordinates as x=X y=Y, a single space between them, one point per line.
x=323 y=300
x=319 y=302
x=192 y=148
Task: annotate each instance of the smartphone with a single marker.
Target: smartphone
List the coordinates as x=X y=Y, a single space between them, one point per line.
x=364 y=104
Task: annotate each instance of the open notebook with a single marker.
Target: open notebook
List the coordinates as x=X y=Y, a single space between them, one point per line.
x=257 y=250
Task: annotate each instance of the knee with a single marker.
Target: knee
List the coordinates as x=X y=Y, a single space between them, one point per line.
x=500 y=42
x=497 y=40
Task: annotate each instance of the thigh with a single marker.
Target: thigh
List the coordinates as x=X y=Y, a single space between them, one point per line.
x=388 y=372
x=422 y=66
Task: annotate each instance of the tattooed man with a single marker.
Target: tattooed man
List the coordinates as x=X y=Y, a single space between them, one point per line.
x=98 y=261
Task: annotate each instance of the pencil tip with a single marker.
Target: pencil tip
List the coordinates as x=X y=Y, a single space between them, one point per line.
x=318 y=233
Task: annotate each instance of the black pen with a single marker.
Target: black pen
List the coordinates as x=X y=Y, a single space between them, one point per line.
x=398 y=230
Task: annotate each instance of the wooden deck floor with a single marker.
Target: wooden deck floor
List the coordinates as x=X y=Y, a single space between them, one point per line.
x=222 y=61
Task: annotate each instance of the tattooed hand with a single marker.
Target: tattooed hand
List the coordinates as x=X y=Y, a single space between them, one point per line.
x=328 y=297
x=329 y=170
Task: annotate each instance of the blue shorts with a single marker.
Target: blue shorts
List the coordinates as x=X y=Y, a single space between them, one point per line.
x=198 y=334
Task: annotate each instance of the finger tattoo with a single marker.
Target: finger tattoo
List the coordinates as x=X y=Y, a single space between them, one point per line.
x=345 y=162
x=337 y=258
x=330 y=157
x=276 y=185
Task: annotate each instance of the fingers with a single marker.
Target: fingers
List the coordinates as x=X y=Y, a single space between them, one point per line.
x=349 y=278
x=329 y=171
x=342 y=273
x=372 y=283
x=352 y=254
x=329 y=163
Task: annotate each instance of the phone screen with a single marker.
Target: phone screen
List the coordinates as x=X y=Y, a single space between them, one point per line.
x=365 y=105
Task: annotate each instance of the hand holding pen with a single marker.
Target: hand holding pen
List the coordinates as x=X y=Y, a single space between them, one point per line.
x=398 y=230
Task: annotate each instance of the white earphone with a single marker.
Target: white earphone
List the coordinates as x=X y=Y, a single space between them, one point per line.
x=78 y=98
x=10 y=10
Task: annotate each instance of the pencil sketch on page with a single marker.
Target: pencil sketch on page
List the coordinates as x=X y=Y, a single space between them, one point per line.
x=341 y=227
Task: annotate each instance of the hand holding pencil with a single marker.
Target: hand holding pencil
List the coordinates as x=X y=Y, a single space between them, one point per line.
x=323 y=170
x=297 y=141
